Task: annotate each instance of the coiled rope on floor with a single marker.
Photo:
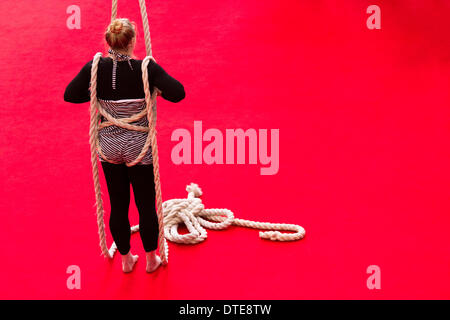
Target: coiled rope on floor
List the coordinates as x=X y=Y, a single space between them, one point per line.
x=191 y=212
x=171 y=213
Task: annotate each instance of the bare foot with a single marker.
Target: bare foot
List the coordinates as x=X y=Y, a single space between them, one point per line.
x=128 y=262
x=153 y=261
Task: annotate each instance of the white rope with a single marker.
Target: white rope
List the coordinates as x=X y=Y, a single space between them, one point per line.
x=193 y=214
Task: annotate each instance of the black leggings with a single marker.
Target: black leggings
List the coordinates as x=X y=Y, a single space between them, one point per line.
x=118 y=178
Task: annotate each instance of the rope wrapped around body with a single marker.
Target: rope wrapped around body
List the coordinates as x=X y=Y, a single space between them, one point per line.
x=171 y=213
x=96 y=112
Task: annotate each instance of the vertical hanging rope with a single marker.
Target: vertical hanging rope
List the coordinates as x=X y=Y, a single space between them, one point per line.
x=96 y=111
x=163 y=247
x=93 y=138
x=113 y=10
x=148 y=42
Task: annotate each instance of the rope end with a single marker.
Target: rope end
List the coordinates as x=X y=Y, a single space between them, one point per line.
x=195 y=189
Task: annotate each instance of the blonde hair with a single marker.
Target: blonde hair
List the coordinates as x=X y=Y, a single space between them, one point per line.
x=119 y=33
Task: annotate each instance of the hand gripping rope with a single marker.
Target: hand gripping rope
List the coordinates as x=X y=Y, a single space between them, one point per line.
x=171 y=213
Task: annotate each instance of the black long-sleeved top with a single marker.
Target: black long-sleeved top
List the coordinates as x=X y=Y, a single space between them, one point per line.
x=128 y=82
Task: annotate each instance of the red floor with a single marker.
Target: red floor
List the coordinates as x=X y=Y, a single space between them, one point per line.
x=364 y=149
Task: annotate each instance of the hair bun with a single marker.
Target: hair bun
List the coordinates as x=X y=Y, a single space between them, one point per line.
x=116 y=26
x=119 y=32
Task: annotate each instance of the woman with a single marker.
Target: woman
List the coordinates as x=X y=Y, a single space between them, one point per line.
x=121 y=93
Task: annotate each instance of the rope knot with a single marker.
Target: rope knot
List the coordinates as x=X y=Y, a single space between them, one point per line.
x=194 y=189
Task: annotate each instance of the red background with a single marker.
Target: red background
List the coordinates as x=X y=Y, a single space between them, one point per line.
x=364 y=149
